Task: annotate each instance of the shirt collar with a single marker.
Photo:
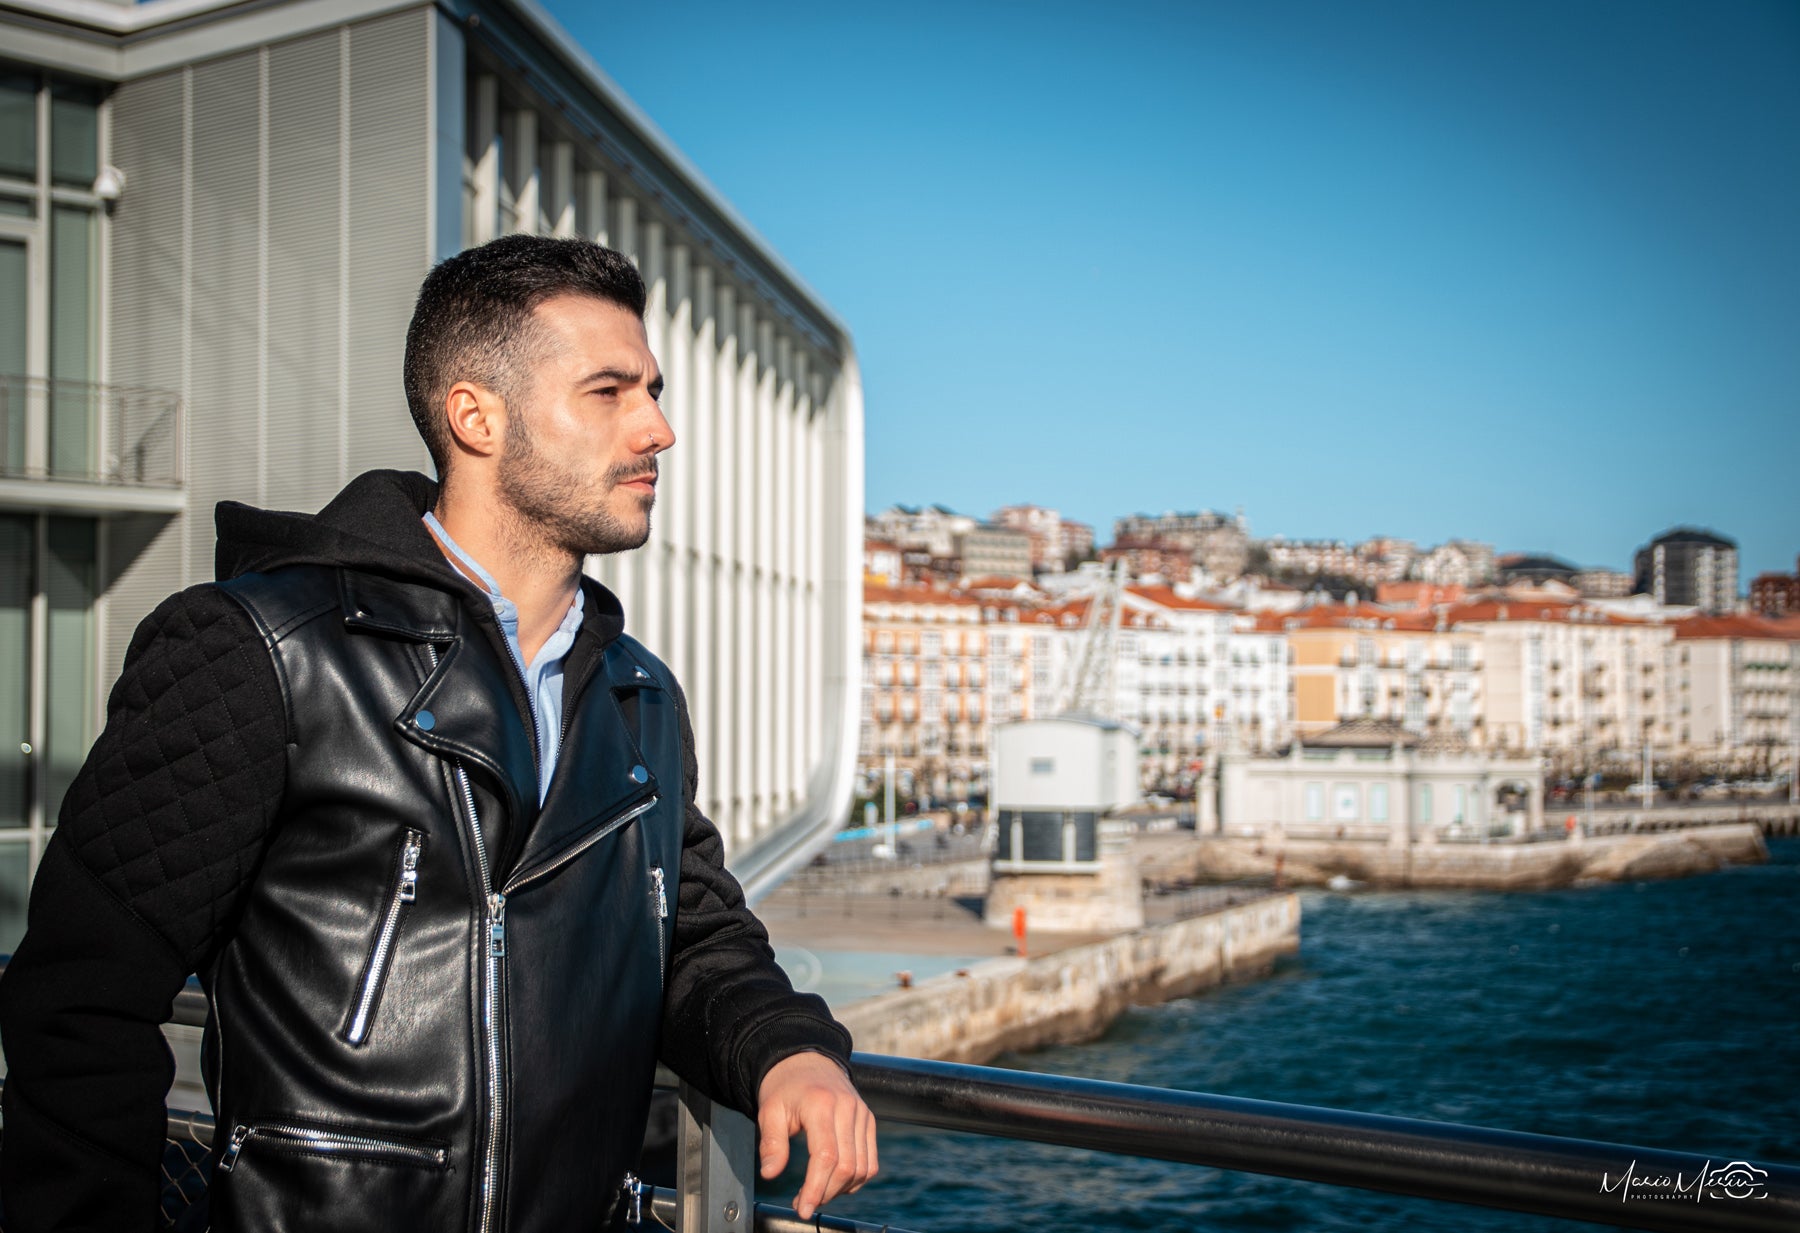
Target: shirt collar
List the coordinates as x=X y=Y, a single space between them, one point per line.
x=504 y=608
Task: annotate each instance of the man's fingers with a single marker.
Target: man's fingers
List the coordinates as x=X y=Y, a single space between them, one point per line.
x=822 y=1162
x=772 y=1130
x=849 y=1149
x=868 y=1163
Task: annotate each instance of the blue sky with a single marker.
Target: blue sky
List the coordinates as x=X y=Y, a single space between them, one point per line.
x=1520 y=272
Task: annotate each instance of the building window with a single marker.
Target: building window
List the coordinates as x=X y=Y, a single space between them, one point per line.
x=1424 y=802
x=1315 y=802
x=48 y=704
x=48 y=270
x=1378 y=802
x=1346 y=802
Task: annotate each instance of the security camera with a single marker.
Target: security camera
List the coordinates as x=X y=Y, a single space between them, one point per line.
x=109 y=185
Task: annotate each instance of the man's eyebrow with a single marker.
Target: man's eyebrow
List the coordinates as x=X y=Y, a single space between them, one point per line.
x=625 y=375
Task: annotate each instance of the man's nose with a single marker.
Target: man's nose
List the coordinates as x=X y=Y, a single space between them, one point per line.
x=658 y=435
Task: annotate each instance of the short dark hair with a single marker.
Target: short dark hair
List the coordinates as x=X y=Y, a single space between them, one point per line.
x=472 y=321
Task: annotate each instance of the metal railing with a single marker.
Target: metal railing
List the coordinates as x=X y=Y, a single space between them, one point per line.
x=89 y=433
x=1575 y=1179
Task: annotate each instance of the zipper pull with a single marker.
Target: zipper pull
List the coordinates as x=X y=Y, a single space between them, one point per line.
x=497 y=930
x=409 y=867
x=662 y=893
x=634 y=1189
x=228 y=1158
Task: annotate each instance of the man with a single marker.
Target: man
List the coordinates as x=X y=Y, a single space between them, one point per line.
x=402 y=791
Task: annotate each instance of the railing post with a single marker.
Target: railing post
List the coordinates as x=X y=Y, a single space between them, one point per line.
x=716 y=1163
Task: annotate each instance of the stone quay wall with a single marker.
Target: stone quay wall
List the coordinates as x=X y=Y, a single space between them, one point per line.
x=1073 y=995
x=1494 y=866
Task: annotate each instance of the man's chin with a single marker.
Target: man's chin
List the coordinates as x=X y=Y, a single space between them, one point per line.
x=618 y=539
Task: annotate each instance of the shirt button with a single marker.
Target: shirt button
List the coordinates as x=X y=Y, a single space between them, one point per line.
x=639 y=775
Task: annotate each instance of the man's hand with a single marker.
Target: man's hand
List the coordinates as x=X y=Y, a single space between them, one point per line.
x=809 y=1092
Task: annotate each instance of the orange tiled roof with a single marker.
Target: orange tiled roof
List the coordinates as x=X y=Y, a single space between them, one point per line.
x=1346 y=616
x=1535 y=610
x=875 y=593
x=1736 y=626
x=1167 y=598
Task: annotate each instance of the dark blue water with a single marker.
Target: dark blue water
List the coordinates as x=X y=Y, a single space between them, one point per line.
x=1663 y=1014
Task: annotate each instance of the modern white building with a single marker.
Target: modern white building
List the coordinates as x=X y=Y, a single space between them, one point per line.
x=214 y=215
x=1371 y=780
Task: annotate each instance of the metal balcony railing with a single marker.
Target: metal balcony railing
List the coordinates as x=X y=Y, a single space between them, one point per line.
x=87 y=433
x=1575 y=1179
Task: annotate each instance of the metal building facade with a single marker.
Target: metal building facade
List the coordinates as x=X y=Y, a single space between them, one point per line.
x=289 y=173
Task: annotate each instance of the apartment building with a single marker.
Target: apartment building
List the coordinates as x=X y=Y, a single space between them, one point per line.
x=1689 y=567
x=1734 y=686
x=1397 y=667
x=1581 y=684
x=940 y=668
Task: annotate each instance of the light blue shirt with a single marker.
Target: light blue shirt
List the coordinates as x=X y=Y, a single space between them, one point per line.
x=543 y=676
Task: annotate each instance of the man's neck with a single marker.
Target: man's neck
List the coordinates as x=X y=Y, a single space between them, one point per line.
x=539 y=578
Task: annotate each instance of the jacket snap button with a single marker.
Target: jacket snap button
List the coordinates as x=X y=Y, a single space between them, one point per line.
x=639 y=774
x=427 y=720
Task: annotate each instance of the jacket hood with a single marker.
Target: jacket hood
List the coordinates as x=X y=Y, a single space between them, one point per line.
x=373 y=525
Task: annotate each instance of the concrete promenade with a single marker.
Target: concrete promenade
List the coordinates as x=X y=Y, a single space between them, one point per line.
x=972 y=997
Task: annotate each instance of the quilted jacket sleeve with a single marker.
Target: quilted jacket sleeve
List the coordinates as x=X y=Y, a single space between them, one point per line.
x=730 y=1012
x=158 y=837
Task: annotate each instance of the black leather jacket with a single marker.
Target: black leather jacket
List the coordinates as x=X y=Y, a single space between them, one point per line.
x=406 y=1035
x=436 y=1004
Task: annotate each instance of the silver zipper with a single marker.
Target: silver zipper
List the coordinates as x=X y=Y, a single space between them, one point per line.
x=635 y=1189
x=662 y=914
x=406 y=890
x=490 y=1000
x=527 y=876
x=331 y=1143
x=495 y=951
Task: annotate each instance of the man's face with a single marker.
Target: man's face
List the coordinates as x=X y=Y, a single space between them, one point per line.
x=583 y=436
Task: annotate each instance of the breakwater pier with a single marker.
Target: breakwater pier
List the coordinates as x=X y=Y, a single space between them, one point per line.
x=916 y=973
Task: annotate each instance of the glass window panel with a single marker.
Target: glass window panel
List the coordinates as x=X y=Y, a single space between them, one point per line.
x=15 y=887
x=1378 y=802
x=14 y=291
x=1087 y=836
x=18 y=126
x=17 y=207
x=72 y=422
x=74 y=135
x=1042 y=836
x=69 y=578
x=16 y=536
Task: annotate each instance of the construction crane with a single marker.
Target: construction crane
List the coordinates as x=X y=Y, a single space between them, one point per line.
x=1088 y=684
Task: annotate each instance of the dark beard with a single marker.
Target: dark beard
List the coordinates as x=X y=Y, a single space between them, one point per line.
x=559 y=505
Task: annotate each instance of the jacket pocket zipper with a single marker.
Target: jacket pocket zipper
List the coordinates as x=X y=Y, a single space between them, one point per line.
x=315 y=1142
x=406 y=890
x=659 y=891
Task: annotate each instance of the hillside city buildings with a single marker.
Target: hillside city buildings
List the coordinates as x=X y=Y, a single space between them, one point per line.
x=1520 y=656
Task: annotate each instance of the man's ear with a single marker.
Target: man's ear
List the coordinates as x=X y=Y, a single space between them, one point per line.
x=477 y=417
